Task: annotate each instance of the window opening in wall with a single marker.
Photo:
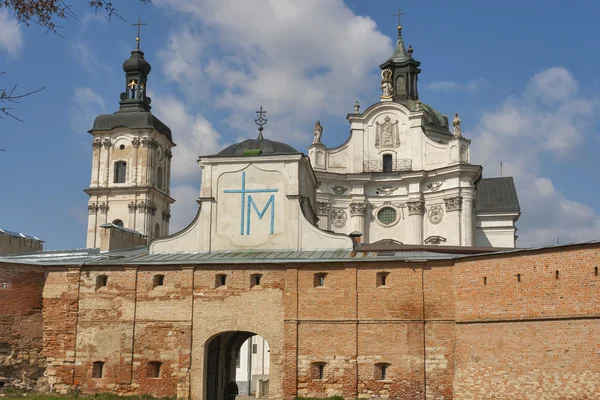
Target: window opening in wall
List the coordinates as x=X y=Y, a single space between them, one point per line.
x=156 y=230
x=387 y=163
x=485 y=280
x=158 y=280
x=159 y=178
x=596 y=271
x=518 y=277
x=6 y=285
x=154 y=369
x=101 y=281
x=318 y=370
x=556 y=275
x=320 y=279
x=118 y=222
x=254 y=348
x=238 y=362
x=220 y=280
x=387 y=215
x=122 y=147
x=382 y=279
x=255 y=280
x=381 y=371
x=120 y=171
x=97 y=369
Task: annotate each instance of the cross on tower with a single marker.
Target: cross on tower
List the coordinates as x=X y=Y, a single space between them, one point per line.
x=137 y=39
x=399 y=14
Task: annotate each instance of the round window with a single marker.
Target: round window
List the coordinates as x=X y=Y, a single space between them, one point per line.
x=387 y=215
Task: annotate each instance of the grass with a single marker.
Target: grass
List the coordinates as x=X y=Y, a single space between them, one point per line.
x=11 y=394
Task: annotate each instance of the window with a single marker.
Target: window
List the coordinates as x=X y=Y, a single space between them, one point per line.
x=318 y=370
x=220 y=280
x=156 y=230
x=382 y=278
x=158 y=280
x=153 y=370
x=320 y=279
x=101 y=281
x=255 y=280
x=556 y=274
x=596 y=271
x=5 y=285
x=159 y=178
x=381 y=371
x=387 y=215
x=388 y=163
x=238 y=362
x=485 y=280
x=118 y=222
x=97 y=369
x=120 y=171
x=254 y=348
x=518 y=277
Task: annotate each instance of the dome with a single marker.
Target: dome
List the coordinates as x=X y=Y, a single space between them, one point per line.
x=435 y=119
x=258 y=147
x=136 y=63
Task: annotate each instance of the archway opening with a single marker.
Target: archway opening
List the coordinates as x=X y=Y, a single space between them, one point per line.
x=237 y=366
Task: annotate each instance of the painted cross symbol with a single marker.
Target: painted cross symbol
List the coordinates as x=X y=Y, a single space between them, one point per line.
x=245 y=215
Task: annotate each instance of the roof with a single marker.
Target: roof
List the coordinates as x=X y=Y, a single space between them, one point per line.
x=121 y=228
x=132 y=120
x=19 y=235
x=257 y=147
x=497 y=194
x=400 y=54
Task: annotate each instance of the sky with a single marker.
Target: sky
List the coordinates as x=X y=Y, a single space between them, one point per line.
x=523 y=75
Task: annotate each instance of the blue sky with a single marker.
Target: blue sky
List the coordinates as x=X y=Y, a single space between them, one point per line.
x=522 y=75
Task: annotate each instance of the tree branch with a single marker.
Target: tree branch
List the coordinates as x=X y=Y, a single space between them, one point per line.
x=11 y=96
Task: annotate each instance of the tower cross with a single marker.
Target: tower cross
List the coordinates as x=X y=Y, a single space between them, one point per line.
x=399 y=14
x=139 y=25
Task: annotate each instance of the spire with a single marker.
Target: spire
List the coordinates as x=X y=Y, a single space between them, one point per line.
x=400 y=53
x=136 y=70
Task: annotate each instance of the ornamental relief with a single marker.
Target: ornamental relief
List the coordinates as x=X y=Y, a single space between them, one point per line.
x=322 y=208
x=387 y=135
x=435 y=214
x=416 y=207
x=453 y=203
x=358 y=208
x=338 y=217
x=339 y=189
x=386 y=190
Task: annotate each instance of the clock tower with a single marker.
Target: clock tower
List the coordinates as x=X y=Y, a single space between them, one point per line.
x=131 y=162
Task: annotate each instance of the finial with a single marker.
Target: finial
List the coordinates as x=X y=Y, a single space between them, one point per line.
x=410 y=50
x=260 y=121
x=356 y=107
x=137 y=39
x=399 y=14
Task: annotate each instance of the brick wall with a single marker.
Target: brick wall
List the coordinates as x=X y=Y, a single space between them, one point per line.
x=533 y=338
x=21 y=361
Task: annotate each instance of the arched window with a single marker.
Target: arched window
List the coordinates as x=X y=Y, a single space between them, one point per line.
x=159 y=178
x=120 y=171
x=118 y=222
x=388 y=163
x=400 y=86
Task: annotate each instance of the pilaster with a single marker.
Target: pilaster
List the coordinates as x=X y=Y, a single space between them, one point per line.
x=323 y=214
x=416 y=210
x=357 y=215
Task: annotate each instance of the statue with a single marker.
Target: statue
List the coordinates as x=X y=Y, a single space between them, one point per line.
x=387 y=136
x=456 y=124
x=386 y=84
x=318 y=132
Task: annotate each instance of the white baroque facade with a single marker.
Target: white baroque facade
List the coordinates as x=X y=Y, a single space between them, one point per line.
x=402 y=175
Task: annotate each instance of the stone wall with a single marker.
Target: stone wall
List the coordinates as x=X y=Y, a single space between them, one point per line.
x=21 y=361
x=10 y=245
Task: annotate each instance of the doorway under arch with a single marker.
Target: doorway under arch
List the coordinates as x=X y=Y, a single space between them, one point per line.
x=237 y=365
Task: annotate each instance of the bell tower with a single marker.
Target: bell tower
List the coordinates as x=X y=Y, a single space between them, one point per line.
x=131 y=162
x=404 y=70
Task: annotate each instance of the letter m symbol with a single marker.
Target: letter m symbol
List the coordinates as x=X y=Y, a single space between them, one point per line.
x=252 y=205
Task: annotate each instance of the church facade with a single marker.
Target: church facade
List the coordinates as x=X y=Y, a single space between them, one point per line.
x=382 y=268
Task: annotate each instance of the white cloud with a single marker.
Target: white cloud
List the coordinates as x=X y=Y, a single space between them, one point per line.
x=548 y=122
x=185 y=208
x=85 y=106
x=453 y=86
x=11 y=38
x=236 y=56
x=193 y=134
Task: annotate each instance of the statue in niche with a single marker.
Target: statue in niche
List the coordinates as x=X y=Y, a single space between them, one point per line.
x=386 y=84
x=317 y=132
x=456 y=124
x=387 y=134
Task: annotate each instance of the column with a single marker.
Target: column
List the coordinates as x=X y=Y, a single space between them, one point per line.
x=105 y=176
x=97 y=146
x=468 y=213
x=135 y=142
x=416 y=209
x=357 y=214
x=92 y=225
x=454 y=207
x=323 y=214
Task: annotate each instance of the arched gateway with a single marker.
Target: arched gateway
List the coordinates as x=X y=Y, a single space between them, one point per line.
x=218 y=370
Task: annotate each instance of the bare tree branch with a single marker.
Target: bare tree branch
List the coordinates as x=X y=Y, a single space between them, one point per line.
x=12 y=96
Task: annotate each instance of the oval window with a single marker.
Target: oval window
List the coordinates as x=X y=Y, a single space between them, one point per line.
x=387 y=215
